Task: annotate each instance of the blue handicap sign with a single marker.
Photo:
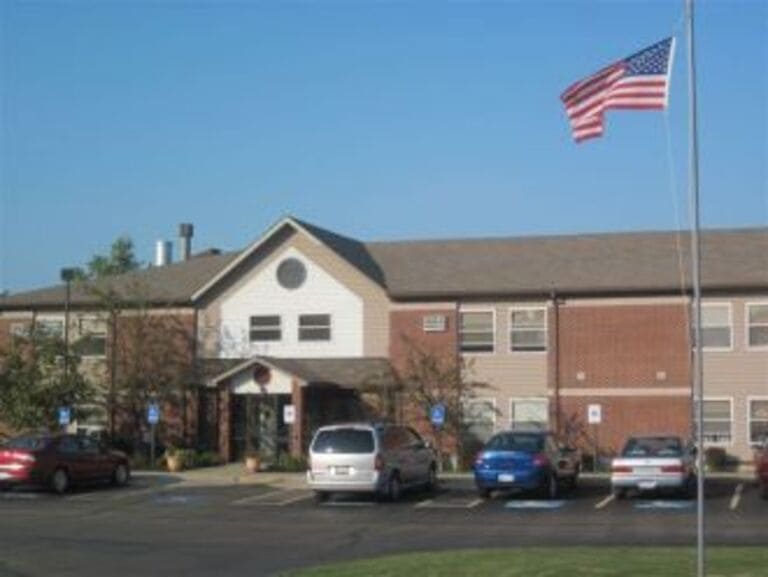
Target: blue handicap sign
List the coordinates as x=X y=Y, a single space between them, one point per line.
x=65 y=416
x=153 y=413
x=437 y=414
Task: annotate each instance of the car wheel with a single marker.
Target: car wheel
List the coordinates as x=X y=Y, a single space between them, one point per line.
x=120 y=475
x=619 y=493
x=483 y=493
x=691 y=488
x=550 y=488
x=60 y=481
x=431 y=484
x=394 y=488
x=321 y=496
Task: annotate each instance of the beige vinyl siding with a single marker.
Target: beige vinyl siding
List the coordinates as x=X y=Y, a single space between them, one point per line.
x=375 y=301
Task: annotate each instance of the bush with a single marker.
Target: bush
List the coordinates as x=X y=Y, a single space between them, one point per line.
x=207 y=459
x=715 y=458
x=290 y=464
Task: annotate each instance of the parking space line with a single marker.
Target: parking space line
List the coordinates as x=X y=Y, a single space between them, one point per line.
x=605 y=501
x=101 y=496
x=349 y=504
x=296 y=499
x=736 y=496
x=259 y=497
x=432 y=504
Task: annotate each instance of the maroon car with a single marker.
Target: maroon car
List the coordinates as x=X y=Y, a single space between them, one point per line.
x=761 y=468
x=60 y=461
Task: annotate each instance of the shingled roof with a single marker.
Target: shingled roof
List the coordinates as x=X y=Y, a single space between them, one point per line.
x=610 y=263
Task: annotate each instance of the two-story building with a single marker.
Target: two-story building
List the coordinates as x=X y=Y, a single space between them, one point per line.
x=306 y=326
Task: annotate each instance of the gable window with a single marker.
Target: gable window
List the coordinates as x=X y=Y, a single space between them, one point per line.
x=53 y=328
x=718 y=421
x=528 y=329
x=480 y=418
x=314 y=327
x=265 y=328
x=93 y=338
x=529 y=414
x=716 y=326
x=476 y=332
x=757 y=325
x=758 y=420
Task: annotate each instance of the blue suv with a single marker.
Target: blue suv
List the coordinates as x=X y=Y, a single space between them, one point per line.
x=527 y=460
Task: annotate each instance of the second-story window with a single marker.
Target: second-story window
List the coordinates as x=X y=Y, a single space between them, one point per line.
x=528 y=329
x=265 y=328
x=716 y=326
x=314 y=327
x=476 y=332
x=757 y=325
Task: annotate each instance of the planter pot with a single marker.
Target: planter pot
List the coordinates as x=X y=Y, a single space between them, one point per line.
x=252 y=464
x=174 y=464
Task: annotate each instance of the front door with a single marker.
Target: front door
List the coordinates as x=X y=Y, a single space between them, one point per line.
x=257 y=425
x=245 y=425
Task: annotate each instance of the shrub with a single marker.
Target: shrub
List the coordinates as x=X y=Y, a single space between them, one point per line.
x=290 y=464
x=716 y=458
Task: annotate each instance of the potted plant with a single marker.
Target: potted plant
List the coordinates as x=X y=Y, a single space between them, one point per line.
x=252 y=461
x=174 y=459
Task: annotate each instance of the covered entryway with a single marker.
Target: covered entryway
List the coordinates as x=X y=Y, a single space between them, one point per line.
x=273 y=406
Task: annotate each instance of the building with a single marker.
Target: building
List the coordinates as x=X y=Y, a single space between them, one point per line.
x=320 y=323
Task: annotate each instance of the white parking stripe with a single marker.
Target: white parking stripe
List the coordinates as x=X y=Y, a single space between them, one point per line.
x=605 y=501
x=258 y=497
x=432 y=504
x=736 y=496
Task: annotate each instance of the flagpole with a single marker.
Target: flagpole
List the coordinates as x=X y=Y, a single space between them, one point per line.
x=698 y=361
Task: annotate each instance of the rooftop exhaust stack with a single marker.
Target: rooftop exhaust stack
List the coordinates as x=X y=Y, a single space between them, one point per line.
x=186 y=231
x=163 y=253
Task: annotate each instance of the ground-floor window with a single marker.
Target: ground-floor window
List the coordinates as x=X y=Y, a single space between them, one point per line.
x=758 y=419
x=718 y=421
x=529 y=413
x=480 y=418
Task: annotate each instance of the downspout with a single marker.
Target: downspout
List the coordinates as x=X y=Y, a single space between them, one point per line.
x=556 y=360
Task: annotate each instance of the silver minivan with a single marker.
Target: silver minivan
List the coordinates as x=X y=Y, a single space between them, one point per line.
x=382 y=459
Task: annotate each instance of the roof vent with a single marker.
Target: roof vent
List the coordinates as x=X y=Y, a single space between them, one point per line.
x=186 y=231
x=163 y=253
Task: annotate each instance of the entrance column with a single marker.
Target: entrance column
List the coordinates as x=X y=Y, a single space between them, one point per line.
x=224 y=421
x=297 y=428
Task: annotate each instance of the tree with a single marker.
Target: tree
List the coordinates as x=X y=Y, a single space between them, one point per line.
x=33 y=384
x=430 y=378
x=121 y=259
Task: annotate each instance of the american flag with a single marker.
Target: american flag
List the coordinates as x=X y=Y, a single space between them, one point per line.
x=638 y=82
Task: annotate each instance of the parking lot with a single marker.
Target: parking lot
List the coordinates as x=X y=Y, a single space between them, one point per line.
x=152 y=528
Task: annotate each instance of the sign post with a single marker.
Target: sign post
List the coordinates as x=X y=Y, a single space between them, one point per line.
x=437 y=418
x=153 y=417
x=594 y=418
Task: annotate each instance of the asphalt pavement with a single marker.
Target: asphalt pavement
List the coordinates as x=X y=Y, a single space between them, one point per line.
x=196 y=525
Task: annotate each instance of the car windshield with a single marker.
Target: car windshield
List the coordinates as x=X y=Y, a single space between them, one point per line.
x=344 y=441
x=653 y=447
x=519 y=442
x=27 y=443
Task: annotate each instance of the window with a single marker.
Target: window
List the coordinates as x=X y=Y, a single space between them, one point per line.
x=93 y=338
x=480 y=418
x=716 y=326
x=18 y=330
x=718 y=418
x=314 y=327
x=476 y=332
x=528 y=329
x=434 y=323
x=265 y=328
x=291 y=273
x=758 y=420
x=529 y=414
x=757 y=325
x=53 y=328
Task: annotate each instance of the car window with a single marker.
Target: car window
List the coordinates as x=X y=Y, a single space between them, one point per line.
x=69 y=445
x=27 y=443
x=344 y=441
x=653 y=447
x=521 y=442
x=89 y=446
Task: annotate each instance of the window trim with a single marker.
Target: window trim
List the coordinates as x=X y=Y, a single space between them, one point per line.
x=715 y=304
x=299 y=327
x=81 y=335
x=493 y=324
x=730 y=422
x=492 y=400
x=513 y=308
x=751 y=398
x=747 y=325
x=513 y=400
x=279 y=326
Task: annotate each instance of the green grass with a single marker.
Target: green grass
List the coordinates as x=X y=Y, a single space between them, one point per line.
x=556 y=562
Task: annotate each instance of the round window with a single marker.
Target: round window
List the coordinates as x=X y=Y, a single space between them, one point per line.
x=291 y=273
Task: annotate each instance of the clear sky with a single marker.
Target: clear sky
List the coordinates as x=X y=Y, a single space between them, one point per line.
x=383 y=120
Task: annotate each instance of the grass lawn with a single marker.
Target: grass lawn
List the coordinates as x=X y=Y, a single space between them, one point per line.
x=556 y=561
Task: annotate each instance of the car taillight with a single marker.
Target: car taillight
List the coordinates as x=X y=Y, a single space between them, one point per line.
x=672 y=469
x=479 y=458
x=621 y=469
x=540 y=460
x=18 y=456
x=378 y=462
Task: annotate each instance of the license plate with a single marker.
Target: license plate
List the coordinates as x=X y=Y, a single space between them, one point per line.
x=506 y=478
x=340 y=470
x=646 y=470
x=647 y=485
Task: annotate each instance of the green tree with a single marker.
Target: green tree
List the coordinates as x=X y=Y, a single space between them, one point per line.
x=121 y=259
x=33 y=384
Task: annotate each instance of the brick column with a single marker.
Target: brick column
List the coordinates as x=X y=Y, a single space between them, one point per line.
x=297 y=429
x=224 y=421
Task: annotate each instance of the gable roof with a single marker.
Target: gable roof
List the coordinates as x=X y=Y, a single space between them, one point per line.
x=609 y=263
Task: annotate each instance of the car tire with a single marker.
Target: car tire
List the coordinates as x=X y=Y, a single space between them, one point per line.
x=60 y=481
x=483 y=493
x=121 y=475
x=550 y=488
x=431 y=485
x=321 y=496
x=619 y=493
x=691 y=488
x=394 y=488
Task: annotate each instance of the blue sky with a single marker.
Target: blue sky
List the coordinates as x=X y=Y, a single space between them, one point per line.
x=383 y=120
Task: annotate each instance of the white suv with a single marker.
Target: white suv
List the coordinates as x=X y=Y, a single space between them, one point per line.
x=370 y=458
